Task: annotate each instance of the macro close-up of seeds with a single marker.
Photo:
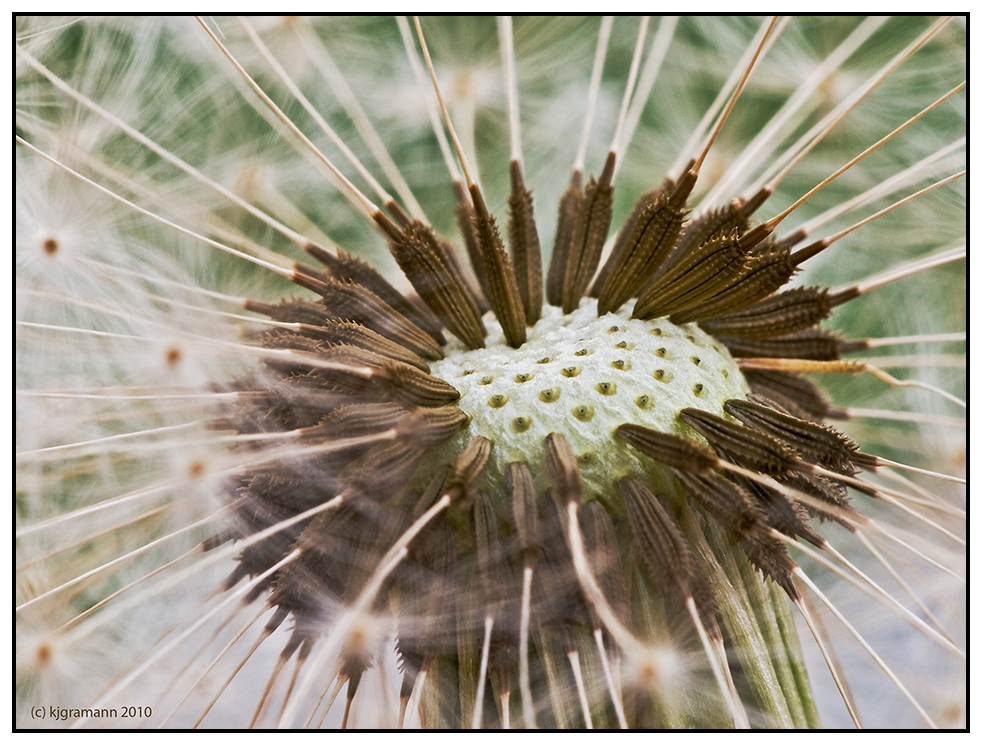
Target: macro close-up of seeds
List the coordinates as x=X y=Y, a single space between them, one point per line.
x=477 y=372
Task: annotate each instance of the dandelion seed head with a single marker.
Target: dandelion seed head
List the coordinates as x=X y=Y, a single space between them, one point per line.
x=39 y=657
x=378 y=492
x=51 y=667
x=367 y=635
x=655 y=669
x=173 y=361
x=55 y=226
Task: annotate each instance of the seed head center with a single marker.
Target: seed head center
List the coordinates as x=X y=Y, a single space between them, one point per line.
x=582 y=376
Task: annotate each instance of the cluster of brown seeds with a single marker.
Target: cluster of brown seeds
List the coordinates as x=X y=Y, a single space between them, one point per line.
x=352 y=381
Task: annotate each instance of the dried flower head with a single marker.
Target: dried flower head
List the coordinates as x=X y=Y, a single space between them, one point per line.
x=587 y=479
